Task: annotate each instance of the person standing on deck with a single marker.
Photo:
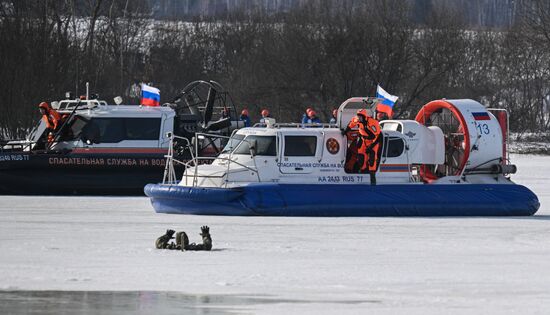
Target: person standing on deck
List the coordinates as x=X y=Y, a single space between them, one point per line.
x=52 y=119
x=367 y=143
x=244 y=117
x=312 y=118
x=265 y=114
x=332 y=120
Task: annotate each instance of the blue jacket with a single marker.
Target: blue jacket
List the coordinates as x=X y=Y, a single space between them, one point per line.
x=315 y=120
x=246 y=120
x=304 y=118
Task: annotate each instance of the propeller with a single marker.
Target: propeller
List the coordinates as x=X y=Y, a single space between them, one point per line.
x=209 y=106
x=219 y=124
x=454 y=139
x=203 y=99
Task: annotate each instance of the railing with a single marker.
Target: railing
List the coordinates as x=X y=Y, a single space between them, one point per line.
x=169 y=171
x=298 y=125
x=71 y=104
x=6 y=146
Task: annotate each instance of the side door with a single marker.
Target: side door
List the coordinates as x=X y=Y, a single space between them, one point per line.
x=394 y=162
x=300 y=152
x=166 y=127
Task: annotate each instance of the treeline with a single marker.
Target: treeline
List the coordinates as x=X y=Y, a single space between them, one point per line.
x=285 y=62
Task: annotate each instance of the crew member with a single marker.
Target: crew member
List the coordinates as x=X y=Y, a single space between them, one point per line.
x=265 y=114
x=244 y=117
x=305 y=116
x=352 y=136
x=333 y=118
x=368 y=143
x=312 y=118
x=225 y=112
x=51 y=117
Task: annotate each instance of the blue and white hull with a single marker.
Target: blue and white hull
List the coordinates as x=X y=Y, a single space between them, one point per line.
x=426 y=168
x=346 y=200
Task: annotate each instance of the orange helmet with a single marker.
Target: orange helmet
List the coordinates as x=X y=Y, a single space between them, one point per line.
x=362 y=112
x=334 y=112
x=312 y=113
x=244 y=112
x=265 y=113
x=44 y=105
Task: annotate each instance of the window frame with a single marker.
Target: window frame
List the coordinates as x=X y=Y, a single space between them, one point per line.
x=121 y=125
x=285 y=146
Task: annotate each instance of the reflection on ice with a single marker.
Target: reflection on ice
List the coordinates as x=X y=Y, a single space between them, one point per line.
x=135 y=302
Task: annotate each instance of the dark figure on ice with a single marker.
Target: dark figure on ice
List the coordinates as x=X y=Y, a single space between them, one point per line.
x=182 y=241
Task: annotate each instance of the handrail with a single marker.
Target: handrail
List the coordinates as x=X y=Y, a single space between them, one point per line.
x=169 y=172
x=196 y=175
x=298 y=125
x=59 y=131
x=12 y=146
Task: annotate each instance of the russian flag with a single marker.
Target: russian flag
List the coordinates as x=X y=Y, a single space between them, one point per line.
x=481 y=116
x=150 y=96
x=388 y=100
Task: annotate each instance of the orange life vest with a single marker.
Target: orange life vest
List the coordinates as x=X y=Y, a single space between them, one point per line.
x=370 y=144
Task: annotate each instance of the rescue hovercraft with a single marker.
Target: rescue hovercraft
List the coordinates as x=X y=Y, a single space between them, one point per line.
x=450 y=161
x=104 y=149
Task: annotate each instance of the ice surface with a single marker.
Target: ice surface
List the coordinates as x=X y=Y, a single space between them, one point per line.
x=301 y=265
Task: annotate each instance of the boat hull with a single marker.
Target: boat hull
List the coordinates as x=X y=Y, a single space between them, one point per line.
x=79 y=174
x=346 y=200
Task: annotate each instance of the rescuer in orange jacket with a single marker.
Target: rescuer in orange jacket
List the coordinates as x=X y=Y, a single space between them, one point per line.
x=51 y=117
x=352 y=135
x=368 y=143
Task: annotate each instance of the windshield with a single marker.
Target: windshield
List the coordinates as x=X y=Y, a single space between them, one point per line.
x=265 y=145
x=232 y=143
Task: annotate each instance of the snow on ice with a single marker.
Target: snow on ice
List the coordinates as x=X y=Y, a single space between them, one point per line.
x=272 y=265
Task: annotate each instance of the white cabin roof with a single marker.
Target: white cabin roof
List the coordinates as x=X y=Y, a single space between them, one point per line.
x=132 y=111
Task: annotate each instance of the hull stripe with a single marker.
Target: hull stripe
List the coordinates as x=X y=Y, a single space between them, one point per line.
x=119 y=150
x=394 y=168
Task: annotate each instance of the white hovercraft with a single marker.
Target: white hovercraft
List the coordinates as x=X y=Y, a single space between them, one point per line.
x=450 y=161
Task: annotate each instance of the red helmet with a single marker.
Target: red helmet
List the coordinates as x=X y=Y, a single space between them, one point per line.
x=244 y=112
x=265 y=113
x=362 y=112
x=44 y=105
x=334 y=112
x=312 y=113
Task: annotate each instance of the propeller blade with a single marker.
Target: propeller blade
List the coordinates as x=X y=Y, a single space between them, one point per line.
x=220 y=124
x=208 y=109
x=192 y=105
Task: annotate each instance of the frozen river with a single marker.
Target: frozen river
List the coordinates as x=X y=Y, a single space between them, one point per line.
x=100 y=253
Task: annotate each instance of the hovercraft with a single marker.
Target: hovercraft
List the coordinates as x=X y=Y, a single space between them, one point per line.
x=103 y=149
x=450 y=161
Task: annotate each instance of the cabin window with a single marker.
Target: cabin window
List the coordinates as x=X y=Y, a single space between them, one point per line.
x=265 y=145
x=142 y=128
x=395 y=147
x=392 y=126
x=233 y=143
x=300 y=145
x=112 y=130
